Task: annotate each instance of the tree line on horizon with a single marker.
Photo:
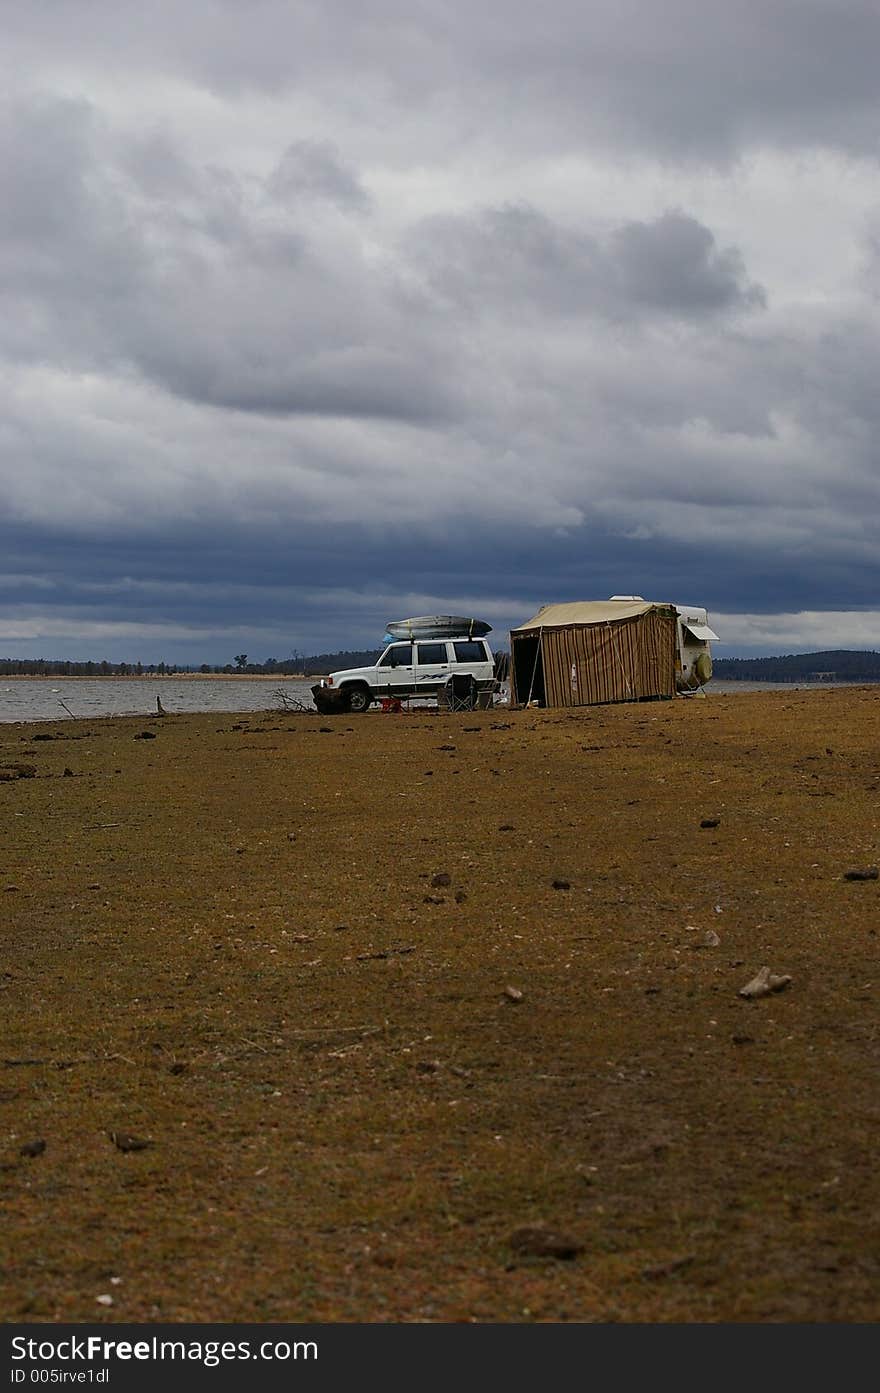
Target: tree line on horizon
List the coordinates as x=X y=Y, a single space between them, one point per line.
x=296 y=666
x=841 y=664
x=835 y=664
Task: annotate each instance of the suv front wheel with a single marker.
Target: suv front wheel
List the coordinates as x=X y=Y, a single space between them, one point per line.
x=359 y=699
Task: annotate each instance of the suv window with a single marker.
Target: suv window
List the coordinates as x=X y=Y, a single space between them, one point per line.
x=432 y=652
x=398 y=655
x=469 y=651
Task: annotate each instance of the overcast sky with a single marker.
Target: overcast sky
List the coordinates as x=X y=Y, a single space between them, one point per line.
x=321 y=313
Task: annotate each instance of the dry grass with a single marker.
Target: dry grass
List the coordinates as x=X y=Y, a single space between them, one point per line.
x=226 y=940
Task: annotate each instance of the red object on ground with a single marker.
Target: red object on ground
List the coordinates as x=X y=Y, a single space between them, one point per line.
x=390 y=704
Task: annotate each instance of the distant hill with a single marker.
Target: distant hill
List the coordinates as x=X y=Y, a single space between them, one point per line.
x=833 y=665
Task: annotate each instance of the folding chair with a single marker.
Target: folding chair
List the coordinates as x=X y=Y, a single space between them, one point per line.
x=461 y=692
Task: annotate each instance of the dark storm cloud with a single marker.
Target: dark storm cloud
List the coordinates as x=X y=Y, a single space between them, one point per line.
x=315 y=313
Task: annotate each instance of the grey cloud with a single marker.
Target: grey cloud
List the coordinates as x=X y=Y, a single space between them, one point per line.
x=314 y=169
x=673 y=264
x=224 y=290
x=516 y=257
x=700 y=78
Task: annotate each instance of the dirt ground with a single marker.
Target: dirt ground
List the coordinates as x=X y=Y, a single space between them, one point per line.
x=280 y=948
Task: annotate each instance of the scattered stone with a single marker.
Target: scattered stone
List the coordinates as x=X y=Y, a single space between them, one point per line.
x=105 y=1299
x=445 y=747
x=146 y=735
x=441 y=878
x=433 y=899
x=743 y=1039
x=561 y=884
x=711 y=939
x=868 y=873
x=763 y=983
x=710 y=822
x=291 y=836
x=124 y=1141
x=68 y=772
x=540 y=1241
x=341 y=929
x=460 y=896
x=507 y=827
x=429 y=1066
x=660 y=1270
x=32 y=1148
x=513 y=993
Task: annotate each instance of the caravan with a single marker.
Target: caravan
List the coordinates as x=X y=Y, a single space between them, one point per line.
x=622 y=649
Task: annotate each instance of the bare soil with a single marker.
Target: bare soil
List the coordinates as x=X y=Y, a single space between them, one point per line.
x=386 y=993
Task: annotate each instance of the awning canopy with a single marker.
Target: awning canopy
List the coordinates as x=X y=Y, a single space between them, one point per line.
x=702 y=632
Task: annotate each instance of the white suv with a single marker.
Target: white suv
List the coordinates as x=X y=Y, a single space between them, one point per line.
x=410 y=668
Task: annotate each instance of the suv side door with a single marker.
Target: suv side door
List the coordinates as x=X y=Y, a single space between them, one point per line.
x=394 y=670
x=431 y=665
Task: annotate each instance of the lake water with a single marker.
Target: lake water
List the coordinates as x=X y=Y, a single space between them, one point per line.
x=58 y=699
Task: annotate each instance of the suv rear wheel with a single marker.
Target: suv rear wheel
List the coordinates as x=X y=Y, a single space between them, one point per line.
x=359 y=699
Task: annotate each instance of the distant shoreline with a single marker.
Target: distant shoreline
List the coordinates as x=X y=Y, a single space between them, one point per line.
x=159 y=677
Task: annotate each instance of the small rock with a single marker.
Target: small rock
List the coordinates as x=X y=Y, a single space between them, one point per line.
x=441 y=878
x=743 y=1039
x=763 y=983
x=711 y=939
x=561 y=884
x=540 y=1241
x=869 y=873
x=710 y=822
x=124 y=1141
x=513 y=993
x=460 y=896
x=428 y=1066
x=105 y=1299
x=68 y=772
x=666 y=1269
x=146 y=735
x=506 y=827
x=32 y=1148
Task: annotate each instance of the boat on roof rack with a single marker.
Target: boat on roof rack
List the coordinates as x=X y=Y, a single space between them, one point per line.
x=427 y=626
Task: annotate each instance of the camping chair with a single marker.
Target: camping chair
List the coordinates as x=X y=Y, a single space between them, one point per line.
x=461 y=692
